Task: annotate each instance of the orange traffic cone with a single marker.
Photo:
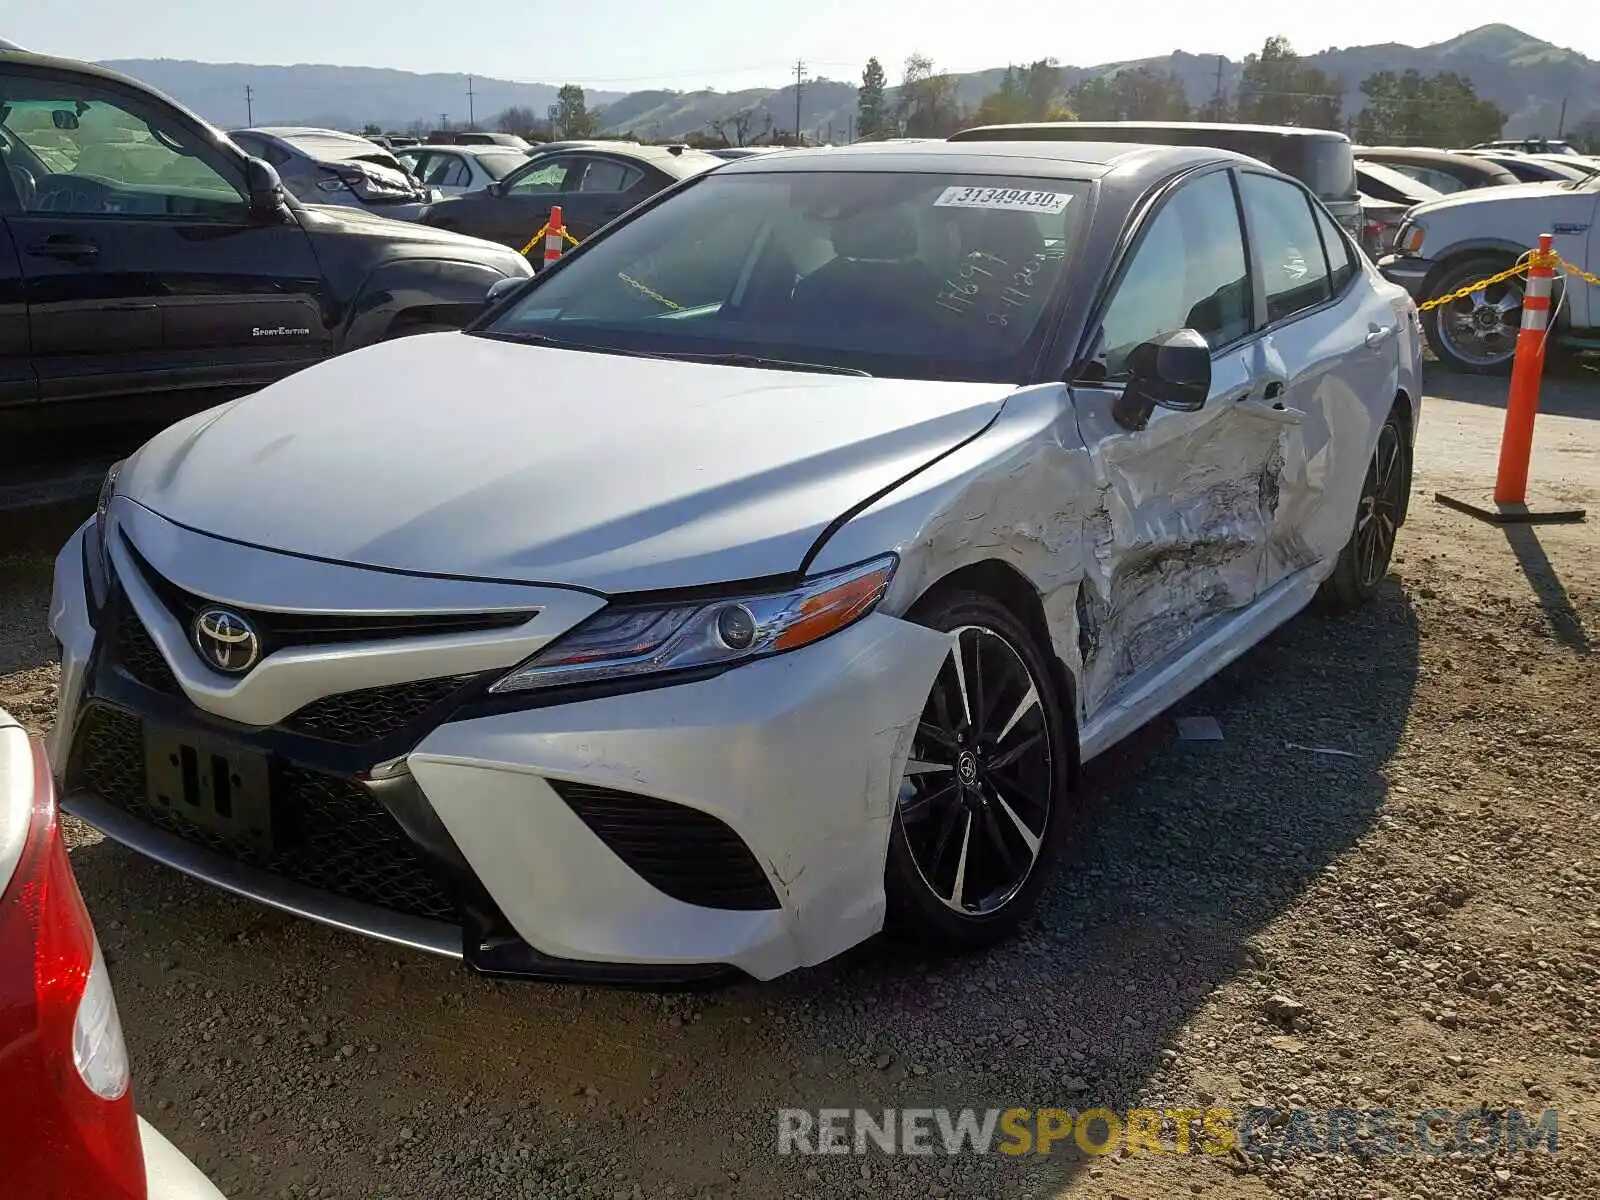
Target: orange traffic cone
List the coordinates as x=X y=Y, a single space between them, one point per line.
x=555 y=232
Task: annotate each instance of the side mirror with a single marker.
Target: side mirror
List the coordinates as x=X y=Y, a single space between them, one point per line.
x=265 y=187
x=1171 y=370
x=495 y=188
x=502 y=288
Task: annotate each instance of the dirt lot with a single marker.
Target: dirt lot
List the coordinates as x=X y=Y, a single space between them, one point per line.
x=1395 y=837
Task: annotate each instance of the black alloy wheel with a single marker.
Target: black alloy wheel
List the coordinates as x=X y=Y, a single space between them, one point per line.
x=977 y=822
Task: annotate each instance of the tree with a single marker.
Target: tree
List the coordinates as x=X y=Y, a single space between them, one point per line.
x=418 y=128
x=1138 y=94
x=371 y=130
x=735 y=130
x=517 y=119
x=872 y=108
x=1439 y=110
x=571 y=114
x=1278 y=88
x=1030 y=93
x=927 y=105
x=1585 y=135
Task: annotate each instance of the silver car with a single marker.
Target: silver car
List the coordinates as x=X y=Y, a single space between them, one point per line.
x=769 y=569
x=456 y=170
x=324 y=166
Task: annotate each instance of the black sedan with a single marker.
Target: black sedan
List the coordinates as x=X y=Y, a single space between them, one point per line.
x=591 y=184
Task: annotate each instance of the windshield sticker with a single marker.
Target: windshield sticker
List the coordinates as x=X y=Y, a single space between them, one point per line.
x=1004 y=199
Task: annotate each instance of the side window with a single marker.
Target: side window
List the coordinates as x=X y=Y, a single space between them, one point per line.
x=1188 y=273
x=1341 y=260
x=414 y=161
x=604 y=175
x=1294 y=272
x=558 y=174
x=452 y=172
x=105 y=158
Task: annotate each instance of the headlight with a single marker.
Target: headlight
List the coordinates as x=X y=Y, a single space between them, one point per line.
x=95 y=573
x=108 y=489
x=1409 y=239
x=632 y=642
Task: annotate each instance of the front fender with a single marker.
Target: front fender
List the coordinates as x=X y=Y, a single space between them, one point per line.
x=433 y=290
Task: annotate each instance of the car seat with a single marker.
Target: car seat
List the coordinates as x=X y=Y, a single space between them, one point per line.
x=875 y=275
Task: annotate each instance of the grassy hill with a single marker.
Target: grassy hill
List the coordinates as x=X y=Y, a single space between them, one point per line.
x=1525 y=76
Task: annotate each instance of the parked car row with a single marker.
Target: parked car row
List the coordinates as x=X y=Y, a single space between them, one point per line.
x=1490 y=205
x=149 y=268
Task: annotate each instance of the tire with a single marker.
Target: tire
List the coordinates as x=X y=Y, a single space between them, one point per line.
x=1365 y=559
x=961 y=871
x=1494 y=315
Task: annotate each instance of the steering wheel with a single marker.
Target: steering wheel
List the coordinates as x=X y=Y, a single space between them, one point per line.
x=26 y=186
x=72 y=194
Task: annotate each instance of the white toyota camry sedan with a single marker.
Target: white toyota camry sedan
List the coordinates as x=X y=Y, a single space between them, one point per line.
x=753 y=578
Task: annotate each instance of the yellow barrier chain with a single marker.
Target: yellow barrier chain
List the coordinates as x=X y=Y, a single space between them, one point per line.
x=1574 y=269
x=1521 y=267
x=648 y=291
x=544 y=229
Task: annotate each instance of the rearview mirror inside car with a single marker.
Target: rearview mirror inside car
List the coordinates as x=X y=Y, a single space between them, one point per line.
x=64 y=118
x=1171 y=370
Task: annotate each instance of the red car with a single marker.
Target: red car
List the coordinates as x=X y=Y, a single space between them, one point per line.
x=68 y=1130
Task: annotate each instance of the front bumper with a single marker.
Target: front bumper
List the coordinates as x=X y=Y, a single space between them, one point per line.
x=657 y=836
x=1409 y=272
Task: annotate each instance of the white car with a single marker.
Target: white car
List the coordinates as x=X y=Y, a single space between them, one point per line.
x=1447 y=244
x=456 y=170
x=756 y=575
x=67 y=1122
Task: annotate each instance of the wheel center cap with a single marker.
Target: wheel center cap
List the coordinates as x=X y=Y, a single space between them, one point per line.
x=1488 y=318
x=967 y=768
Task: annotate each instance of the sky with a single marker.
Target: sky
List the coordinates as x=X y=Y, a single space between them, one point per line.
x=729 y=44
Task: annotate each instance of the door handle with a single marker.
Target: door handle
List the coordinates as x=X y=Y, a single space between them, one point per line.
x=1273 y=390
x=1378 y=334
x=64 y=246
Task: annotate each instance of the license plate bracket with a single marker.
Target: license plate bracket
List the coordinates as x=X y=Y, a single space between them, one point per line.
x=211 y=785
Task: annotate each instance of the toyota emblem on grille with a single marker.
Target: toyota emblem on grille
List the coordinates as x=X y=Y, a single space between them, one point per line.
x=226 y=640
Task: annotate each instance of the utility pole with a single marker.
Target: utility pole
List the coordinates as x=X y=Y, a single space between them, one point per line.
x=1217 y=99
x=472 y=112
x=799 y=87
x=1561 y=125
x=249 y=106
x=444 y=122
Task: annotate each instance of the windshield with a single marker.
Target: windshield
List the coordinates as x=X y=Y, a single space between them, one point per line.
x=917 y=276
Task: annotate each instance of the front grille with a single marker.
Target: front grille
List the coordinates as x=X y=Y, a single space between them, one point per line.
x=686 y=853
x=328 y=833
x=139 y=656
x=355 y=718
x=279 y=629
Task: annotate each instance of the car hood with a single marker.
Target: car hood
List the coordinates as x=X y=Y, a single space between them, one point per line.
x=348 y=221
x=1520 y=193
x=454 y=454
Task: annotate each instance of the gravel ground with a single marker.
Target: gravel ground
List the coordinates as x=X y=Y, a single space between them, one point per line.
x=1379 y=890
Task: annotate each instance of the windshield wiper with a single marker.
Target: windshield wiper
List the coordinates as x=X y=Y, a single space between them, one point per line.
x=775 y=364
x=545 y=339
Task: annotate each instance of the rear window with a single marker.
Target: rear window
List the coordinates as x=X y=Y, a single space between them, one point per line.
x=498 y=166
x=912 y=275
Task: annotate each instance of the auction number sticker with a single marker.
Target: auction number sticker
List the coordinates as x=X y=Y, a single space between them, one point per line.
x=1006 y=199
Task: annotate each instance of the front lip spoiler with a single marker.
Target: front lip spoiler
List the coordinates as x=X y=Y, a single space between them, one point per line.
x=416 y=933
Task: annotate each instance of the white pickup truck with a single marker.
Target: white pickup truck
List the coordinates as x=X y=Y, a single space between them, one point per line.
x=1449 y=243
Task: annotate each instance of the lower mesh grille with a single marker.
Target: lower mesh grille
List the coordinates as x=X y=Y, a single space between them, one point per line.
x=688 y=854
x=329 y=833
x=372 y=714
x=138 y=654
